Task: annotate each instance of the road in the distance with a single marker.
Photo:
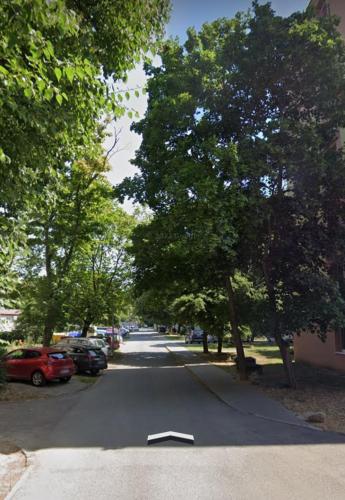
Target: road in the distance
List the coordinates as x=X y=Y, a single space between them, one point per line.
x=98 y=450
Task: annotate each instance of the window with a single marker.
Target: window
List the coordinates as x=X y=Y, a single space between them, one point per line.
x=32 y=354
x=18 y=354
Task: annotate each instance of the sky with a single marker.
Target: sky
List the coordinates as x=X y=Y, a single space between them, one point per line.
x=184 y=13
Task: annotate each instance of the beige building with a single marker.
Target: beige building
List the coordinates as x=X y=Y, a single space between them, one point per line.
x=308 y=347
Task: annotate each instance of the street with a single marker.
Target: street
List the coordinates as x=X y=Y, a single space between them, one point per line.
x=98 y=449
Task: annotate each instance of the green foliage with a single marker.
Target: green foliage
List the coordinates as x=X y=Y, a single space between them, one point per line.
x=99 y=283
x=238 y=167
x=58 y=60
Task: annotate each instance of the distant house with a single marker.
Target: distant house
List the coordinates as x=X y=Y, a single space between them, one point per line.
x=8 y=318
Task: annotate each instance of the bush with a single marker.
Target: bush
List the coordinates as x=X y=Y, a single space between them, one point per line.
x=11 y=336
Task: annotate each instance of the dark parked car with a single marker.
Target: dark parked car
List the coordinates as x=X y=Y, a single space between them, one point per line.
x=196 y=335
x=87 y=359
x=38 y=364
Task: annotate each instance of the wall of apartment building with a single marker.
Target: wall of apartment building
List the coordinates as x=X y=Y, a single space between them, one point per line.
x=337 y=7
x=309 y=348
x=334 y=7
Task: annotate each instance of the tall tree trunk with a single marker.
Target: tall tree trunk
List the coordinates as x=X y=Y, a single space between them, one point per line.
x=49 y=324
x=235 y=332
x=205 y=343
x=86 y=326
x=283 y=347
x=50 y=316
x=287 y=361
x=220 y=343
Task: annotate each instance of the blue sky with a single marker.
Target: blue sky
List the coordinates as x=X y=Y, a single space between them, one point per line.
x=185 y=13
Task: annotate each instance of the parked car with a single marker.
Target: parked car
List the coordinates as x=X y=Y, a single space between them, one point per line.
x=38 y=364
x=196 y=336
x=162 y=329
x=87 y=358
x=101 y=344
x=86 y=341
x=113 y=341
x=123 y=331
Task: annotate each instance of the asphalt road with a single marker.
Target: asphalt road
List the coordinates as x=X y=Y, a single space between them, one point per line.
x=98 y=448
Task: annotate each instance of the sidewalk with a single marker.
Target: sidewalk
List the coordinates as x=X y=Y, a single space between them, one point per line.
x=241 y=396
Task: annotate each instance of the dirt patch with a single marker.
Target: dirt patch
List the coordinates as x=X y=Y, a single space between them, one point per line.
x=319 y=390
x=12 y=466
x=23 y=391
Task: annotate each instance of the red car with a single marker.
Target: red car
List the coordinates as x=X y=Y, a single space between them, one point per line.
x=38 y=364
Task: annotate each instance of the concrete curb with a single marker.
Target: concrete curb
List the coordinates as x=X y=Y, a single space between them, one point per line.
x=28 y=464
x=238 y=409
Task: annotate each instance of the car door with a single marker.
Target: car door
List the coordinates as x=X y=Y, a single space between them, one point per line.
x=77 y=354
x=30 y=363
x=13 y=362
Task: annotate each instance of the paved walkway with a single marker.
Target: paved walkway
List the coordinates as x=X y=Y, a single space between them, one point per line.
x=241 y=396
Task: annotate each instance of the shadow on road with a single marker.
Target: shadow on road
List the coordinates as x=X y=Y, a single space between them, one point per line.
x=148 y=391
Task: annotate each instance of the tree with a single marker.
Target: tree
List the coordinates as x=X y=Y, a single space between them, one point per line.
x=61 y=222
x=99 y=282
x=237 y=164
x=59 y=61
x=207 y=309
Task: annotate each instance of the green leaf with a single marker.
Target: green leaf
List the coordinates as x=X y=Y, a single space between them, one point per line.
x=3 y=70
x=89 y=71
x=69 y=72
x=41 y=85
x=136 y=93
x=58 y=73
x=59 y=98
x=128 y=96
x=28 y=92
x=80 y=72
x=46 y=52
x=48 y=94
x=50 y=48
x=130 y=114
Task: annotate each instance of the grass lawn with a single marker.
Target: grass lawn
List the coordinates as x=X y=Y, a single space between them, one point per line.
x=318 y=389
x=264 y=353
x=85 y=379
x=174 y=336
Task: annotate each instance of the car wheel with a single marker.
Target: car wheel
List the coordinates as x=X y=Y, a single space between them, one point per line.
x=64 y=380
x=38 y=379
x=94 y=372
